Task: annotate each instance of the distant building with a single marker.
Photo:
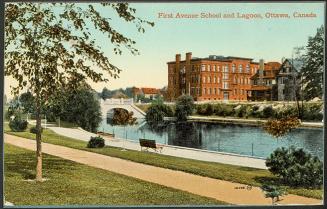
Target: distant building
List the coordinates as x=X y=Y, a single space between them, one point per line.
x=263 y=82
x=211 y=78
x=149 y=93
x=274 y=82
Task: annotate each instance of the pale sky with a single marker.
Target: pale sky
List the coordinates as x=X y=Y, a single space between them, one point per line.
x=270 y=39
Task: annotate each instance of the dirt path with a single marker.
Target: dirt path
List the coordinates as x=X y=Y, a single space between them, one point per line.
x=209 y=187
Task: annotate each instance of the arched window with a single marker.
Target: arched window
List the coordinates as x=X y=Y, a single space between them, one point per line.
x=247 y=68
x=214 y=79
x=233 y=68
x=240 y=68
x=204 y=79
x=209 y=79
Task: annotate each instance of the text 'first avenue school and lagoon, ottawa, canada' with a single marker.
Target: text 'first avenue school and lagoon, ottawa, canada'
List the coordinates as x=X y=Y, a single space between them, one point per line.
x=237 y=15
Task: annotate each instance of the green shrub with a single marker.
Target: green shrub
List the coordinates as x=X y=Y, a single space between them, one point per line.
x=218 y=109
x=241 y=111
x=157 y=111
x=295 y=167
x=273 y=191
x=248 y=111
x=184 y=107
x=209 y=109
x=255 y=108
x=18 y=124
x=205 y=109
x=96 y=142
x=227 y=110
x=268 y=112
x=289 y=111
x=312 y=112
x=33 y=130
x=201 y=109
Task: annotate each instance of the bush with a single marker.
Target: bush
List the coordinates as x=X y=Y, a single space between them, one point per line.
x=289 y=111
x=268 y=112
x=227 y=110
x=33 y=130
x=184 y=107
x=273 y=191
x=241 y=111
x=295 y=167
x=96 y=142
x=312 y=112
x=205 y=109
x=123 y=117
x=201 y=109
x=279 y=127
x=17 y=124
x=157 y=111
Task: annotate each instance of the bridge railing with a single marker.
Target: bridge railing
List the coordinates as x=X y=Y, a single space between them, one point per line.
x=118 y=101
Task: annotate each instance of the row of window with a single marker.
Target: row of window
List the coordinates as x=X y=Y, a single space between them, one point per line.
x=216 y=68
x=215 y=91
x=209 y=79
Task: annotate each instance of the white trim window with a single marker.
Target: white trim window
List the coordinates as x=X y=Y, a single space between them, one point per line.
x=225 y=84
x=203 y=67
x=240 y=68
x=233 y=68
x=247 y=68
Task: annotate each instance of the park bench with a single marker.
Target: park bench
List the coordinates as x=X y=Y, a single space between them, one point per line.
x=148 y=143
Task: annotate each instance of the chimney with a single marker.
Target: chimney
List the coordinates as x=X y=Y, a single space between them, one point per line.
x=178 y=58
x=261 y=69
x=188 y=57
x=188 y=72
x=177 y=77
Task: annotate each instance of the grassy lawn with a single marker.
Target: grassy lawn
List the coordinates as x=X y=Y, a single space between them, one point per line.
x=245 y=175
x=71 y=183
x=143 y=107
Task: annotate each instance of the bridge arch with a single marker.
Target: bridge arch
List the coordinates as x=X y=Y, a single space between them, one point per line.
x=127 y=104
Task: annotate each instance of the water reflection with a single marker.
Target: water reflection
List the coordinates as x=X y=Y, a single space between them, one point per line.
x=239 y=139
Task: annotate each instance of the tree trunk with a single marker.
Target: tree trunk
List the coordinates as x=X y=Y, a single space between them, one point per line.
x=38 y=144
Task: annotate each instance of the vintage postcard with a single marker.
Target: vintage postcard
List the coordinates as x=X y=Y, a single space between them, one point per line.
x=163 y=104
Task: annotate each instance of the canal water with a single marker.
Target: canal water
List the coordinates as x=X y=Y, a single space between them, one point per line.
x=237 y=139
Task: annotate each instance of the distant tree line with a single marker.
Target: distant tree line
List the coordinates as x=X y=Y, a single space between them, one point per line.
x=116 y=93
x=75 y=105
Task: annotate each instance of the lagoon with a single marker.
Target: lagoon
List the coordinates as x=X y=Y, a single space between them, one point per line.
x=230 y=138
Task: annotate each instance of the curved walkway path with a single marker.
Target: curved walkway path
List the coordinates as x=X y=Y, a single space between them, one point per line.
x=204 y=186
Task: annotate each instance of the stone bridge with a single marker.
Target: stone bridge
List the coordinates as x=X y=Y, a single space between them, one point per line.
x=127 y=104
